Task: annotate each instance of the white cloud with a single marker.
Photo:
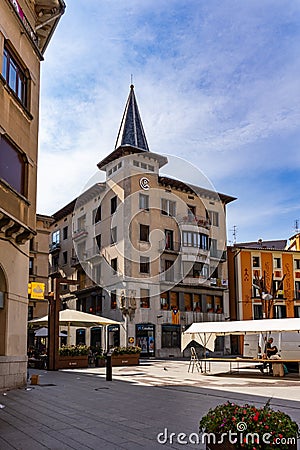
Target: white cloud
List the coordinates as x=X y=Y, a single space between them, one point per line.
x=217 y=84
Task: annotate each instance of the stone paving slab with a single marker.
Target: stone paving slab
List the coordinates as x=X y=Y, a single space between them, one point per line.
x=80 y=410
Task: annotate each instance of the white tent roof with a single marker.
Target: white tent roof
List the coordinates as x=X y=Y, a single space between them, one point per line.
x=43 y=332
x=76 y=318
x=205 y=333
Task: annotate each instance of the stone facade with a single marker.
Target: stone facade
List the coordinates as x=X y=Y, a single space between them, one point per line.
x=21 y=52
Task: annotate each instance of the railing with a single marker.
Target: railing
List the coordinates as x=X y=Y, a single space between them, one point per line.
x=92 y=252
x=80 y=233
x=189 y=279
x=54 y=268
x=218 y=282
x=74 y=261
x=55 y=246
x=190 y=219
x=218 y=254
x=165 y=246
x=170 y=276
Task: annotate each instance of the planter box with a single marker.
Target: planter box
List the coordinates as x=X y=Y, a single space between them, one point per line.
x=100 y=362
x=72 y=362
x=125 y=360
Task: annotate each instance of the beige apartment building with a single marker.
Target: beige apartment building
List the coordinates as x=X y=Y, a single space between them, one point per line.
x=26 y=28
x=147 y=249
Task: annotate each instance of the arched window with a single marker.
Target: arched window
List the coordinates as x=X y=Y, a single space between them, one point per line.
x=96 y=337
x=80 y=336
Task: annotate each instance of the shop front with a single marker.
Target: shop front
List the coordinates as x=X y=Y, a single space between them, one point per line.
x=145 y=338
x=113 y=336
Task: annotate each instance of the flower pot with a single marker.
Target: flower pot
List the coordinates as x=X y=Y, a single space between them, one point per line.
x=72 y=362
x=100 y=362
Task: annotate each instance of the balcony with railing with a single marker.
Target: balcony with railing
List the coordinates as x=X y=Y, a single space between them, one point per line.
x=190 y=219
x=79 y=234
x=54 y=247
x=93 y=252
x=195 y=280
x=218 y=254
x=169 y=246
x=53 y=269
x=219 y=283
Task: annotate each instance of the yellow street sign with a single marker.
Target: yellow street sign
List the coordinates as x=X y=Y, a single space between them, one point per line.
x=37 y=290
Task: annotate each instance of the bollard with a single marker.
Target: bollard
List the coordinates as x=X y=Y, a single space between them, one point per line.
x=108 y=367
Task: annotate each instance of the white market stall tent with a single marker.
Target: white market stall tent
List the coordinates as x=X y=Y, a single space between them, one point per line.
x=205 y=333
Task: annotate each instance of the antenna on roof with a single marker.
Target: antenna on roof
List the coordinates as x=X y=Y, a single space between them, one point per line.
x=131 y=80
x=234 y=234
x=296 y=225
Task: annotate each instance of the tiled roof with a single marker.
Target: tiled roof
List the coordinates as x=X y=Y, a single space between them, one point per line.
x=270 y=245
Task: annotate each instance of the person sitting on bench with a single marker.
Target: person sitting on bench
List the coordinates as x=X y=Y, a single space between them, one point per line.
x=270 y=350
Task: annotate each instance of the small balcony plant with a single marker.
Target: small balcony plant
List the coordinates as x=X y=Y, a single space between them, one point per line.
x=230 y=426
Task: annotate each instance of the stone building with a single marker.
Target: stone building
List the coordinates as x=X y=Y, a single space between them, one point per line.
x=26 y=29
x=146 y=248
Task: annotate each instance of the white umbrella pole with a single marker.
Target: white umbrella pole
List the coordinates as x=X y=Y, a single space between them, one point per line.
x=69 y=334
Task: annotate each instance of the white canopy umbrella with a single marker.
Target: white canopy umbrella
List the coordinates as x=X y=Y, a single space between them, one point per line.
x=43 y=332
x=77 y=319
x=71 y=317
x=205 y=333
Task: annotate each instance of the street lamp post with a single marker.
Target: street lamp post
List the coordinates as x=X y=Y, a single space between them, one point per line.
x=53 y=322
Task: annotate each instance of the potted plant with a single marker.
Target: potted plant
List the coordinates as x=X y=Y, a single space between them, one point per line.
x=73 y=356
x=100 y=361
x=125 y=356
x=230 y=426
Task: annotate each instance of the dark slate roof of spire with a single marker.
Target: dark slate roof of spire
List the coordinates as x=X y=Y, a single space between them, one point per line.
x=131 y=131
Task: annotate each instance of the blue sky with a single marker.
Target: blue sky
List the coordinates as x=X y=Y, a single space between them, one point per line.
x=217 y=84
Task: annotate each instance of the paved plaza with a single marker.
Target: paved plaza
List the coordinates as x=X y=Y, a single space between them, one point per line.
x=79 y=409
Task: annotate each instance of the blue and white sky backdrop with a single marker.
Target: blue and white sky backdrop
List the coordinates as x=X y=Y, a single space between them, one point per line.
x=217 y=83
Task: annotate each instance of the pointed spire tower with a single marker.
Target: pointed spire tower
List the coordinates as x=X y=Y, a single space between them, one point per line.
x=131 y=131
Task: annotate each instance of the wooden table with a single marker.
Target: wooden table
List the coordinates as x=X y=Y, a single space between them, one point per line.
x=236 y=363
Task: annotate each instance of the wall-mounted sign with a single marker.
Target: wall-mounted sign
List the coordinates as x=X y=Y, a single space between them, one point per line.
x=113 y=328
x=36 y=290
x=131 y=340
x=24 y=20
x=144 y=183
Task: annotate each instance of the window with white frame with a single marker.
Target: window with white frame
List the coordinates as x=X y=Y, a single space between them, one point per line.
x=277 y=263
x=297 y=264
x=214 y=218
x=168 y=207
x=144 y=202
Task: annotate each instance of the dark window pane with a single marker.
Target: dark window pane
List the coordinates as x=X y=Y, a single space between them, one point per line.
x=12 y=165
